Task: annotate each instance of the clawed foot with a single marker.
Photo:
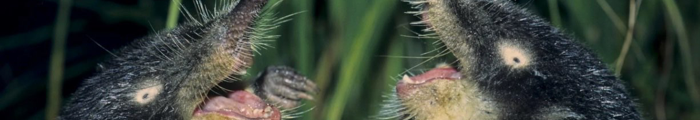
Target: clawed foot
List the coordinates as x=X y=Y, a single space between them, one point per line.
x=284 y=87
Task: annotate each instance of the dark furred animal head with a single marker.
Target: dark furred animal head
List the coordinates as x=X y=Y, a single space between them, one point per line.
x=168 y=75
x=520 y=67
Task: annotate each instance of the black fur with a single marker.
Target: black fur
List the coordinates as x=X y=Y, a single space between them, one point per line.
x=173 y=59
x=563 y=73
x=106 y=95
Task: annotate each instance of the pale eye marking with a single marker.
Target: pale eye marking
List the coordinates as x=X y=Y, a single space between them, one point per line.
x=147 y=94
x=514 y=56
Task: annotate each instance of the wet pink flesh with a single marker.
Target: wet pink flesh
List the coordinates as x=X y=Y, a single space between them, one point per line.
x=239 y=103
x=404 y=89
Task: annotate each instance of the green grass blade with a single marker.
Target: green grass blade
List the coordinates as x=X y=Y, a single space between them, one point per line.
x=56 y=64
x=628 y=38
x=302 y=35
x=393 y=66
x=357 y=56
x=554 y=12
x=617 y=21
x=677 y=20
x=173 y=14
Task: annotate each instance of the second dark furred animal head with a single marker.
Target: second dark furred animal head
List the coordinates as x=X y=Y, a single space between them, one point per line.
x=514 y=65
x=168 y=74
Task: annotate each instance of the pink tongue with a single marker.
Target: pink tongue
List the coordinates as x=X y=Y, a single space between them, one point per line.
x=442 y=72
x=247 y=98
x=238 y=104
x=408 y=85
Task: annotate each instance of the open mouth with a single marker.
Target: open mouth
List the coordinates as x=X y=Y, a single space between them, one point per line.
x=409 y=85
x=238 y=104
x=229 y=100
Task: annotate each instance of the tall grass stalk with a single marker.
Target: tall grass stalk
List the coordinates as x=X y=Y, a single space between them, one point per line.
x=617 y=21
x=662 y=87
x=357 y=54
x=393 y=66
x=324 y=72
x=302 y=35
x=554 y=12
x=628 y=37
x=677 y=21
x=173 y=14
x=53 y=103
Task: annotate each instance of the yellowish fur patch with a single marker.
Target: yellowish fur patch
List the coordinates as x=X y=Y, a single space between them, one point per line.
x=217 y=66
x=211 y=116
x=447 y=100
x=445 y=25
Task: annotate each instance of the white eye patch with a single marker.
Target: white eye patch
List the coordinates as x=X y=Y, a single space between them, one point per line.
x=513 y=55
x=147 y=94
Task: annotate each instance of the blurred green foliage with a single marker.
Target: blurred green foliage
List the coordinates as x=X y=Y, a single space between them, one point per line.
x=356 y=49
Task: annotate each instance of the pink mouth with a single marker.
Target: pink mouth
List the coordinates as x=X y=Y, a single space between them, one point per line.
x=408 y=85
x=239 y=104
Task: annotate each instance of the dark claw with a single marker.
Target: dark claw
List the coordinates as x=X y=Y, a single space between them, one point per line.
x=284 y=86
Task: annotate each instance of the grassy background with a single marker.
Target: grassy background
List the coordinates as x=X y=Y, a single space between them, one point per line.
x=354 y=49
